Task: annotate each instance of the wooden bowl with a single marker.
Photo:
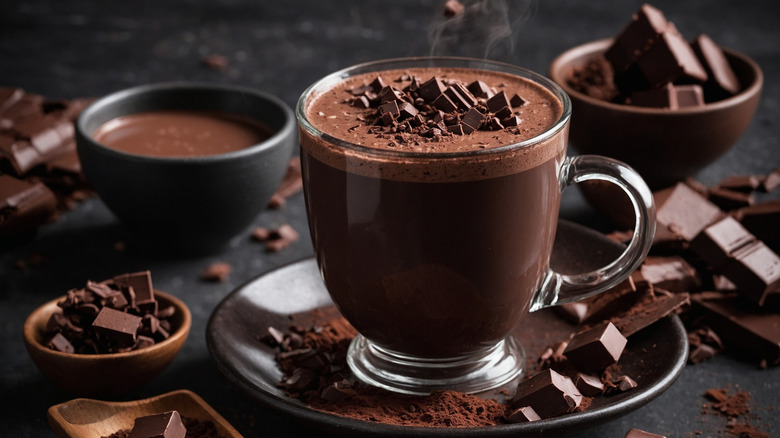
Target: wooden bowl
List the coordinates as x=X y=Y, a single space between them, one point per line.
x=104 y=375
x=663 y=145
x=87 y=418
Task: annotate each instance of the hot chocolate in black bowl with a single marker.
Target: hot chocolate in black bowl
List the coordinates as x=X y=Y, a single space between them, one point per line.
x=185 y=166
x=432 y=189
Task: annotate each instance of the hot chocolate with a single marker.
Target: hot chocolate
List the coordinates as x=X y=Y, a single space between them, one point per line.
x=432 y=191
x=179 y=133
x=430 y=255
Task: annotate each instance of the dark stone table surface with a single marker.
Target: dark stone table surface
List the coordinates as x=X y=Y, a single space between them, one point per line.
x=77 y=48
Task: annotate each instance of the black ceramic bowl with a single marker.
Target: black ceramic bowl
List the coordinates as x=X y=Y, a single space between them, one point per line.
x=186 y=205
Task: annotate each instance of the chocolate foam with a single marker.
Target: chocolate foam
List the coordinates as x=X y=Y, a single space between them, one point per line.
x=340 y=134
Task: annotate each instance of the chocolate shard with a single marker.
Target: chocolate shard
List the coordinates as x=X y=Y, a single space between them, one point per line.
x=164 y=425
x=624 y=383
x=771 y=181
x=588 y=385
x=549 y=394
x=480 y=89
x=361 y=102
x=389 y=94
x=761 y=220
x=672 y=273
x=649 y=312
x=117 y=325
x=637 y=433
x=671 y=59
x=742 y=183
x=457 y=98
x=516 y=101
x=723 y=82
x=684 y=212
x=444 y=103
x=377 y=84
x=701 y=353
x=141 y=282
x=596 y=348
x=406 y=110
x=645 y=27
x=524 y=414
x=498 y=102
x=431 y=89
x=24 y=206
x=728 y=199
x=60 y=343
x=473 y=118
x=511 y=121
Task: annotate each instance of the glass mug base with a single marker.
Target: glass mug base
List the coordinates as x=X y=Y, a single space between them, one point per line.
x=471 y=374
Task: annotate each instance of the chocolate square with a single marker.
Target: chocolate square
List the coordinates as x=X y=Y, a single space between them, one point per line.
x=596 y=348
x=549 y=394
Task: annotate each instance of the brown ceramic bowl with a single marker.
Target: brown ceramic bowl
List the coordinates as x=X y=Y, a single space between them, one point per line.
x=104 y=375
x=663 y=146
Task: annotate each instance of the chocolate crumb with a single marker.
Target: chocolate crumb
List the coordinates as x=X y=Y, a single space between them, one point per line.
x=216 y=272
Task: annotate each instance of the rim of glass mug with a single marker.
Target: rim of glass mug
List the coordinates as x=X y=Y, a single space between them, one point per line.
x=327 y=82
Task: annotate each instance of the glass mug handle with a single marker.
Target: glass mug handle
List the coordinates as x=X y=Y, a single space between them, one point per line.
x=564 y=288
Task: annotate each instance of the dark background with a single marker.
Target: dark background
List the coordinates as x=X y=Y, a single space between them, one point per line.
x=78 y=48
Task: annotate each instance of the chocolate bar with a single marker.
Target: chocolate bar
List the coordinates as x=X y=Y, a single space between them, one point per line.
x=669 y=96
x=762 y=220
x=744 y=327
x=728 y=199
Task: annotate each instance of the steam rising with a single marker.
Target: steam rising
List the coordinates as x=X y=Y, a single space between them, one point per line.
x=485 y=29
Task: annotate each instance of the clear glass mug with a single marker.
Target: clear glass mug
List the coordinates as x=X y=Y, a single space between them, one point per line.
x=435 y=257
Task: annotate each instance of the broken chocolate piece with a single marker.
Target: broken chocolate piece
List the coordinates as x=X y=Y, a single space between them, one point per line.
x=596 y=348
x=116 y=325
x=701 y=353
x=480 y=89
x=24 y=206
x=444 y=103
x=549 y=394
x=669 y=96
x=473 y=119
x=672 y=273
x=745 y=327
x=648 y=312
x=431 y=89
x=216 y=272
x=60 y=343
x=669 y=59
x=685 y=213
x=498 y=102
x=624 y=383
x=741 y=183
x=761 y=220
x=771 y=181
x=728 y=199
x=523 y=415
x=588 y=385
x=722 y=79
x=164 y=425
x=637 y=433
x=634 y=40
x=141 y=282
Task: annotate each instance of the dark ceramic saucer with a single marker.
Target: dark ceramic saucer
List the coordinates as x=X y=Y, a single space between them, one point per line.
x=654 y=358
